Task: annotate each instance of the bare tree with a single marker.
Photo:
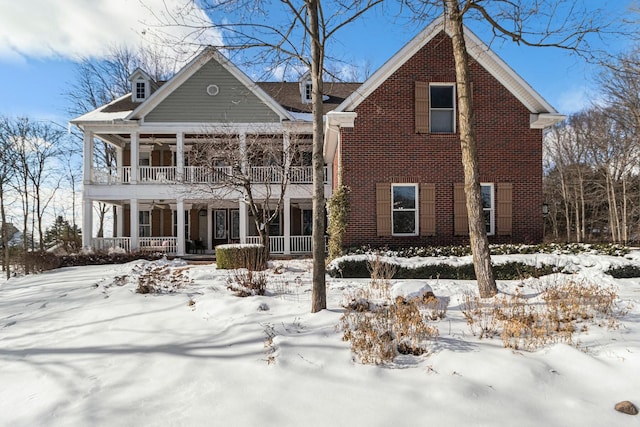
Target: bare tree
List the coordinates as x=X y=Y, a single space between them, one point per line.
x=261 y=165
x=592 y=164
x=620 y=82
x=299 y=37
x=7 y=172
x=35 y=147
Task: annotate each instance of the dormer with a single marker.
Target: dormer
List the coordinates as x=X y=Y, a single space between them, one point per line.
x=140 y=85
x=305 y=87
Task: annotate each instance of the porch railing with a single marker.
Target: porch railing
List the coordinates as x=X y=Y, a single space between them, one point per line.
x=297 y=244
x=107 y=243
x=199 y=175
x=164 y=244
x=169 y=245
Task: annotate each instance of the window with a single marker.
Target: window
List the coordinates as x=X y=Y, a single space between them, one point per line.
x=186 y=224
x=274 y=227
x=144 y=223
x=404 y=211
x=307 y=222
x=442 y=108
x=488 y=207
x=144 y=159
x=235 y=224
x=220 y=224
x=306 y=92
x=141 y=92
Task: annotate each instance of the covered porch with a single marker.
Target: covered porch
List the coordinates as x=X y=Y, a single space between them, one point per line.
x=155 y=225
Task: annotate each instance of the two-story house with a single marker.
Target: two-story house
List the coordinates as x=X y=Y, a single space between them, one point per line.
x=392 y=139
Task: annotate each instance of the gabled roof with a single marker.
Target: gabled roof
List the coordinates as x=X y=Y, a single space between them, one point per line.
x=139 y=72
x=477 y=50
x=287 y=94
x=191 y=68
x=118 y=109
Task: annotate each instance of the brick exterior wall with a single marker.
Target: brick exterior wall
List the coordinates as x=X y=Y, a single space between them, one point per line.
x=384 y=147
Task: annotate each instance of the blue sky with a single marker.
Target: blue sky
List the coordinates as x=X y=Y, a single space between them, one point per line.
x=41 y=40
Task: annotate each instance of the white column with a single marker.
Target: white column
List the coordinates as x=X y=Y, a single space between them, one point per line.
x=133 y=227
x=119 y=164
x=119 y=221
x=180 y=156
x=180 y=226
x=243 y=221
x=209 y=228
x=87 y=156
x=87 y=223
x=287 y=225
x=135 y=149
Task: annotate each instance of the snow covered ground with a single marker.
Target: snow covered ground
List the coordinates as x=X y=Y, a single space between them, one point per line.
x=79 y=347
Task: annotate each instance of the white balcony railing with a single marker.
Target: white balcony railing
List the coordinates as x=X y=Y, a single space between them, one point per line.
x=200 y=175
x=105 y=175
x=157 y=174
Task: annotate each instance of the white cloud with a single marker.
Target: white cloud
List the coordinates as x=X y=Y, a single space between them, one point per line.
x=77 y=28
x=576 y=99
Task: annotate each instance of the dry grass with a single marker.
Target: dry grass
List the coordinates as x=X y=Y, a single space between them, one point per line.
x=559 y=311
x=378 y=328
x=155 y=279
x=482 y=317
x=247 y=282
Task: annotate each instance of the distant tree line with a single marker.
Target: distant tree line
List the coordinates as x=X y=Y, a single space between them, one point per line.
x=35 y=162
x=592 y=163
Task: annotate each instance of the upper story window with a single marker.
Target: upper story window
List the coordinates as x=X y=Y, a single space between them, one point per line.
x=141 y=85
x=307 y=90
x=140 y=90
x=442 y=108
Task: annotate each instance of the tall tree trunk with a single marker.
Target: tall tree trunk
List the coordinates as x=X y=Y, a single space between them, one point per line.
x=576 y=206
x=612 y=208
x=5 y=237
x=319 y=291
x=477 y=229
x=625 y=234
x=583 y=214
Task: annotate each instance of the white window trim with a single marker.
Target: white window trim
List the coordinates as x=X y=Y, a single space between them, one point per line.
x=187 y=222
x=147 y=154
x=134 y=90
x=453 y=85
x=306 y=84
x=235 y=216
x=417 y=213
x=492 y=210
x=149 y=225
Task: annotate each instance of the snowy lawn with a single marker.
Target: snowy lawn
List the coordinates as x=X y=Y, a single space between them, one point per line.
x=79 y=347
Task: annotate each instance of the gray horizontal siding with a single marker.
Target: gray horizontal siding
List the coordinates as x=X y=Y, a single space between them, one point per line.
x=235 y=103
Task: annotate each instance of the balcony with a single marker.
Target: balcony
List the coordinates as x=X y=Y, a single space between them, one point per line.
x=199 y=175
